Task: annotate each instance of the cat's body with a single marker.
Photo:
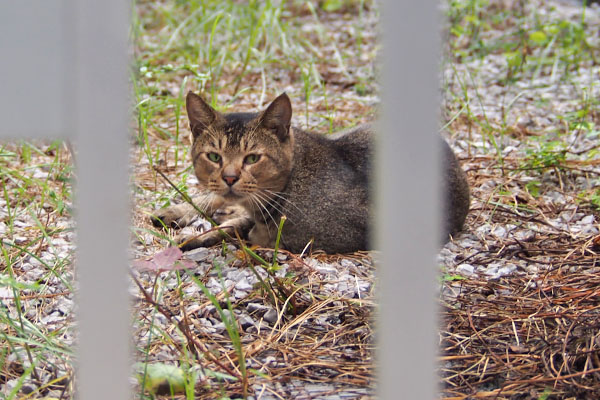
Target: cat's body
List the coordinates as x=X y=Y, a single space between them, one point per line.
x=321 y=183
x=327 y=193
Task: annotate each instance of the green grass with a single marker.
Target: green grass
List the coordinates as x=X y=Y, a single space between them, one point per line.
x=36 y=278
x=531 y=41
x=536 y=49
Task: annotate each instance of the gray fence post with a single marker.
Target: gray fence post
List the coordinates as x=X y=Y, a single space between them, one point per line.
x=407 y=199
x=64 y=74
x=103 y=198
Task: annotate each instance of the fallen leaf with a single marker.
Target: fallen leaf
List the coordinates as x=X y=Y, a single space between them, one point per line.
x=164 y=379
x=167 y=260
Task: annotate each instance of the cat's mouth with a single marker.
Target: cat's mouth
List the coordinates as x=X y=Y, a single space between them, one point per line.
x=231 y=194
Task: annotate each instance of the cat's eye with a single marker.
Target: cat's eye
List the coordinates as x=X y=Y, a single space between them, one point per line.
x=251 y=158
x=214 y=157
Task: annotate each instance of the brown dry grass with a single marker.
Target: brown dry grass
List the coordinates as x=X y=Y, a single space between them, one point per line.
x=526 y=335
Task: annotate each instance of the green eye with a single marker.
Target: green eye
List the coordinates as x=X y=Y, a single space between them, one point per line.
x=214 y=157
x=251 y=158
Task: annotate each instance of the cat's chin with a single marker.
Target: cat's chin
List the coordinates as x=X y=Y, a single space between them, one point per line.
x=233 y=197
x=240 y=199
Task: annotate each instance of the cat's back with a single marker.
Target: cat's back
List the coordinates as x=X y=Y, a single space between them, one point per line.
x=355 y=146
x=330 y=184
x=351 y=148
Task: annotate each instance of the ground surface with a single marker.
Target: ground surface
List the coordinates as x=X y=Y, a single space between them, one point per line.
x=519 y=287
x=519 y=301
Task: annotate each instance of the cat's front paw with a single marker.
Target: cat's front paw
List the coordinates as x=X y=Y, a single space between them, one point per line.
x=176 y=216
x=188 y=242
x=233 y=212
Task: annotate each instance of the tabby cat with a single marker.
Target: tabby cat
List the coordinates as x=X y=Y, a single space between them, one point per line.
x=255 y=167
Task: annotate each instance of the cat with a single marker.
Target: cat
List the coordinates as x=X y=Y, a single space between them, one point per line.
x=255 y=167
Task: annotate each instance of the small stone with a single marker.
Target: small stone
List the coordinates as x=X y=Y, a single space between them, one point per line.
x=270 y=316
x=205 y=322
x=465 y=269
x=532 y=269
x=587 y=220
x=246 y=322
x=326 y=269
x=499 y=232
x=39 y=174
x=10 y=385
x=492 y=269
x=253 y=307
x=282 y=272
x=199 y=254
x=271 y=361
x=213 y=283
x=160 y=319
x=227 y=315
x=19 y=239
x=507 y=270
x=342 y=287
x=525 y=235
x=20 y=224
x=219 y=328
x=191 y=290
x=484 y=229
x=26 y=389
x=508 y=149
x=557 y=197
x=50 y=319
x=236 y=275
x=450 y=248
x=65 y=306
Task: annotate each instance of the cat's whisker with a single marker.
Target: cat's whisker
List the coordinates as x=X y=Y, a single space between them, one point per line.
x=209 y=202
x=207 y=199
x=273 y=205
x=206 y=203
x=284 y=199
x=262 y=207
x=261 y=200
x=259 y=206
x=278 y=207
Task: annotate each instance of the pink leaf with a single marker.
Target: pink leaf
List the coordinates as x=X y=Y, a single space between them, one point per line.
x=167 y=260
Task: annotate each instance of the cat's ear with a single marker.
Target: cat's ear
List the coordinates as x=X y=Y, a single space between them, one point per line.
x=200 y=114
x=277 y=117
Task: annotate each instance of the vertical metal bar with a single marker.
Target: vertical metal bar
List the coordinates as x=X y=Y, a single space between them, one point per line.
x=406 y=200
x=34 y=69
x=64 y=74
x=102 y=205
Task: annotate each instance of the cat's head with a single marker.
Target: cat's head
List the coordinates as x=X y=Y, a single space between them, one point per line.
x=242 y=157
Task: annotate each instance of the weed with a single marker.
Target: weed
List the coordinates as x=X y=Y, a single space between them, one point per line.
x=591 y=197
x=35 y=215
x=552 y=154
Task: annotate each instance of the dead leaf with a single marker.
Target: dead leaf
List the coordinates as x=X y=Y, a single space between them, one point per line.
x=167 y=260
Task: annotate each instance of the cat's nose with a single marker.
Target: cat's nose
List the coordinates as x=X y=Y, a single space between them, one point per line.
x=230 y=179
